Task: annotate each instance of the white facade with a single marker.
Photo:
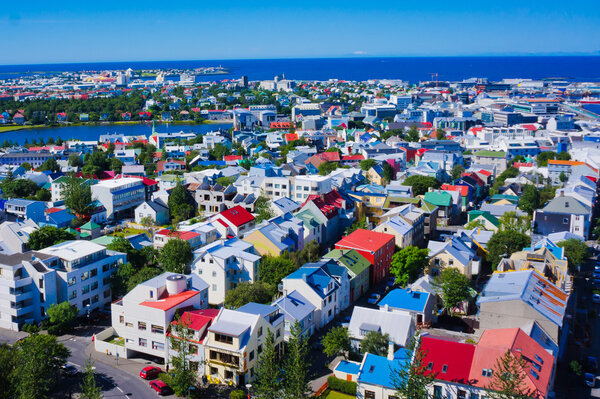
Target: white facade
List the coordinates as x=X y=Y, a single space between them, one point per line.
x=303 y=186
x=119 y=196
x=142 y=316
x=225 y=264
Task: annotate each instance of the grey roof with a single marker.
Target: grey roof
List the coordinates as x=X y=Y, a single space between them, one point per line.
x=398 y=324
x=295 y=305
x=566 y=205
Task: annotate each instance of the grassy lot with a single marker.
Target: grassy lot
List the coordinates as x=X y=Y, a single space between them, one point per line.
x=14 y=128
x=329 y=394
x=116 y=340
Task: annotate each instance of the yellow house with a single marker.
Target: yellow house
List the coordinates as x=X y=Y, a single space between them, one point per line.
x=375 y=175
x=270 y=240
x=460 y=253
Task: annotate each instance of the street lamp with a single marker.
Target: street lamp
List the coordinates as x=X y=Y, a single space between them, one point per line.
x=248 y=387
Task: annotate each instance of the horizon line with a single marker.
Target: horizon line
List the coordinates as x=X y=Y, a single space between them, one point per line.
x=350 y=56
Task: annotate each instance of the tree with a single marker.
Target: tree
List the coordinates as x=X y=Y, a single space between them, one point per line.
x=50 y=164
x=409 y=376
x=95 y=163
x=440 y=134
x=78 y=197
x=175 y=256
x=336 y=342
x=388 y=173
x=327 y=167
x=297 y=366
x=457 y=172
x=26 y=166
x=75 y=160
x=262 y=209
x=510 y=221
x=421 y=184
x=310 y=253
x=454 y=288
x=147 y=221
x=89 y=386
x=475 y=224
x=181 y=204
x=504 y=243
x=359 y=224
x=367 y=164
x=576 y=252
x=563 y=177
x=267 y=384
x=274 y=268
x=7 y=368
x=18 y=188
x=408 y=263
x=243 y=293
x=116 y=165
x=61 y=316
x=226 y=181
x=375 y=343
x=47 y=236
x=43 y=195
x=412 y=134
x=508 y=379
x=38 y=361
x=123 y=245
x=182 y=376
x=530 y=199
x=127 y=278
x=543 y=158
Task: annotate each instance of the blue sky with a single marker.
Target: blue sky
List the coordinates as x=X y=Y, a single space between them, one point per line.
x=76 y=31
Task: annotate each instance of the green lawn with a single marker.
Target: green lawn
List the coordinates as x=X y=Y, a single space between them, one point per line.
x=116 y=340
x=337 y=395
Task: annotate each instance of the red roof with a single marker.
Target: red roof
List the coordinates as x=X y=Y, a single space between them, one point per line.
x=463 y=190
x=237 y=215
x=198 y=319
x=170 y=301
x=327 y=203
x=52 y=210
x=353 y=157
x=232 y=158
x=485 y=172
x=289 y=137
x=495 y=342
x=453 y=357
x=182 y=235
x=365 y=240
x=530 y=127
x=523 y=164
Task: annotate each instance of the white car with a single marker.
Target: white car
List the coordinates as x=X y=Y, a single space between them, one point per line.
x=596 y=298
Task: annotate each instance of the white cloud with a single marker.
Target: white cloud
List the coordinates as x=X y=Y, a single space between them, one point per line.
x=359 y=52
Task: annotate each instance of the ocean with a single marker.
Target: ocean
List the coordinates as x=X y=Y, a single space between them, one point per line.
x=93 y=132
x=413 y=69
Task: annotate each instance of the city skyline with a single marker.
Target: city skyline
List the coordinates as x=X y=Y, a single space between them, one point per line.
x=40 y=33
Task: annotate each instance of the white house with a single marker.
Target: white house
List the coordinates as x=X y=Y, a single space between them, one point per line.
x=119 y=196
x=158 y=212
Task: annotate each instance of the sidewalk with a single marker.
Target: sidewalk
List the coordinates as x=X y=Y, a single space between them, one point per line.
x=131 y=366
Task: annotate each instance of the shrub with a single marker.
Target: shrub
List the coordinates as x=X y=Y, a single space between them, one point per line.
x=347 y=387
x=30 y=328
x=237 y=394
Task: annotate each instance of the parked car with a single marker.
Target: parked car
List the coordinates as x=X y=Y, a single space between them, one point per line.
x=69 y=370
x=374 y=298
x=590 y=380
x=596 y=298
x=150 y=372
x=391 y=282
x=160 y=387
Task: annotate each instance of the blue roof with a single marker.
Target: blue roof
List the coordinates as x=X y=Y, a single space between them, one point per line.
x=406 y=299
x=60 y=217
x=295 y=305
x=257 y=308
x=348 y=367
x=377 y=370
x=314 y=276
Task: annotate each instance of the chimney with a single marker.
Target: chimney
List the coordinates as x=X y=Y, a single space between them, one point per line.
x=390 y=354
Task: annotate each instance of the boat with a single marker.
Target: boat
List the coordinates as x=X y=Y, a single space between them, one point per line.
x=589 y=100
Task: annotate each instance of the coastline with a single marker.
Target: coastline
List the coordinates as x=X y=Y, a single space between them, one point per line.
x=17 y=128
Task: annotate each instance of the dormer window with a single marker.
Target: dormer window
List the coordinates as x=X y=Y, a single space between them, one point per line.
x=151 y=294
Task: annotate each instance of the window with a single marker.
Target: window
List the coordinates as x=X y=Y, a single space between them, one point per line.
x=142 y=325
x=430 y=366
x=85 y=276
x=259 y=349
x=461 y=394
x=143 y=342
x=260 y=332
x=251 y=355
x=486 y=372
x=94 y=286
x=226 y=339
x=121 y=319
x=437 y=392
x=228 y=374
x=214 y=287
x=95 y=298
x=72 y=281
x=73 y=294
x=159 y=346
x=93 y=272
x=157 y=329
x=369 y=394
x=474 y=396
x=214 y=274
x=86 y=302
x=128 y=324
x=106 y=293
x=445 y=368
x=193 y=349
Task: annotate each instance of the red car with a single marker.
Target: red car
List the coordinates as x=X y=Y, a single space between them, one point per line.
x=160 y=387
x=150 y=372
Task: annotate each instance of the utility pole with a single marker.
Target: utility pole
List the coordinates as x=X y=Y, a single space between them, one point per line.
x=436 y=78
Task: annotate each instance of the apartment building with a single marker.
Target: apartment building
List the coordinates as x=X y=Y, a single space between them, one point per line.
x=143 y=316
x=119 y=196
x=223 y=265
x=25 y=209
x=235 y=342
x=83 y=271
x=27 y=288
x=304 y=186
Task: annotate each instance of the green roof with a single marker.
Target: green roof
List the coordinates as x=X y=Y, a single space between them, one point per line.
x=83 y=234
x=488 y=153
x=104 y=240
x=352 y=259
x=308 y=217
x=71 y=230
x=485 y=214
x=428 y=207
x=439 y=198
x=498 y=197
x=90 y=226
x=62 y=179
x=406 y=200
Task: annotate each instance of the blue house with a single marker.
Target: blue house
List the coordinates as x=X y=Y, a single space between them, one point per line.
x=59 y=219
x=25 y=209
x=419 y=304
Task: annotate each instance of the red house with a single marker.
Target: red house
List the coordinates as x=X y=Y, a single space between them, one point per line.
x=377 y=248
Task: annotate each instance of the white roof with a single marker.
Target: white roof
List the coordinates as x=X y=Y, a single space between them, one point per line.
x=112 y=183
x=397 y=324
x=72 y=250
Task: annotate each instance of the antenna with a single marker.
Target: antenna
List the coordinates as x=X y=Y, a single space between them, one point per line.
x=436 y=78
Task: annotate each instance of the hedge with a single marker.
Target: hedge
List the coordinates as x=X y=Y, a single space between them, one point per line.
x=336 y=384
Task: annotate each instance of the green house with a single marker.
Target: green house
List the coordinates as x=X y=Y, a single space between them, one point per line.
x=358 y=269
